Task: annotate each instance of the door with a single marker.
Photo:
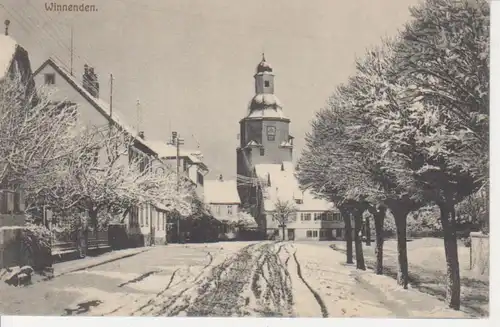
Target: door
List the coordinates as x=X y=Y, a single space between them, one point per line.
x=291 y=234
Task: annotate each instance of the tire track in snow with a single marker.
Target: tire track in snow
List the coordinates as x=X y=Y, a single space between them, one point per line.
x=318 y=298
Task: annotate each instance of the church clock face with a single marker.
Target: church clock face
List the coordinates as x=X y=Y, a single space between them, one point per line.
x=271 y=133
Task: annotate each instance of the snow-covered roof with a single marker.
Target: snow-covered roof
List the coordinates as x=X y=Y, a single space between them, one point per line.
x=165 y=150
x=8 y=47
x=221 y=192
x=284 y=186
x=98 y=103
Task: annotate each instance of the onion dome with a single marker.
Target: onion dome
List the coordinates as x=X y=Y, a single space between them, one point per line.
x=264 y=66
x=265 y=101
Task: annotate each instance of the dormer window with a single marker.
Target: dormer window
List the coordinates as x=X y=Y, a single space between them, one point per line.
x=266 y=83
x=50 y=79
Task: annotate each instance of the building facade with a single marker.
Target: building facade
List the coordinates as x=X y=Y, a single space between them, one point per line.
x=223 y=201
x=146 y=225
x=266 y=173
x=15 y=66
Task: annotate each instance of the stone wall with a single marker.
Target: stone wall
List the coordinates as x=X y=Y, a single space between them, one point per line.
x=480 y=253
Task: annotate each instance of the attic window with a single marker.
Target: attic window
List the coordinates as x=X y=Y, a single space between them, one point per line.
x=298 y=201
x=266 y=83
x=50 y=79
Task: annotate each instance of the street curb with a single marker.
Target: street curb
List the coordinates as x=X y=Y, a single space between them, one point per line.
x=96 y=264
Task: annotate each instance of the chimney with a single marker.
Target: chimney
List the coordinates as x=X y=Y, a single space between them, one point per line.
x=94 y=84
x=141 y=135
x=268 y=179
x=86 y=78
x=174 y=137
x=7 y=23
x=221 y=179
x=90 y=83
x=282 y=167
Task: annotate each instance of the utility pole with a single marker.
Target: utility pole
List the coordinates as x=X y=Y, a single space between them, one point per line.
x=178 y=142
x=71 y=55
x=111 y=96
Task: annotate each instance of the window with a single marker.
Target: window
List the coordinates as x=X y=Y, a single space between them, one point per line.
x=299 y=201
x=325 y=233
x=315 y=233
x=50 y=79
x=141 y=215
x=329 y=216
x=338 y=232
x=309 y=233
x=317 y=216
x=337 y=216
x=199 y=178
x=17 y=202
x=305 y=216
x=217 y=209
x=266 y=83
x=262 y=151
x=229 y=210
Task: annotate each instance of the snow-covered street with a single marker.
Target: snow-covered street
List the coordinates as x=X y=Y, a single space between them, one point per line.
x=225 y=279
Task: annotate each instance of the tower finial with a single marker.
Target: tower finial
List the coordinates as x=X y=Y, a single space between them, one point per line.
x=7 y=23
x=263 y=57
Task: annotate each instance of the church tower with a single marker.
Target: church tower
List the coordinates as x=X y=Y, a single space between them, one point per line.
x=265 y=130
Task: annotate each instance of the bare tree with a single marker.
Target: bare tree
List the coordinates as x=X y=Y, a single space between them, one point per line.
x=35 y=135
x=283 y=212
x=110 y=178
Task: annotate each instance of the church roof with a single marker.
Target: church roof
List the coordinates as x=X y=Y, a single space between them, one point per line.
x=8 y=47
x=221 y=192
x=264 y=66
x=284 y=186
x=265 y=100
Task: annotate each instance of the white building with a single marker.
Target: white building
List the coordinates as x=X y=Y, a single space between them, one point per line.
x=14 y=64
x=266 y=173
x=147 y=224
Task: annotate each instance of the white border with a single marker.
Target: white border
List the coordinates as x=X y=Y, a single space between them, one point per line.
x=18 y=321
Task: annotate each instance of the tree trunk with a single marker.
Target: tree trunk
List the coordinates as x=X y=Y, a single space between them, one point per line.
x=451 y=253
x=93 y=218
x=358 y=242
x=400 y=220
x=348 y=235
x=378 y=219
x=368 y=232
x=283 y=228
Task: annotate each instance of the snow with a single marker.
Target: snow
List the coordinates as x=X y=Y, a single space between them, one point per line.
x=103 y=105
x=266 y=105
x=221 y=192
x=348 y=292
x=165 y=150
x=285 y=187
x=8 y=47
x=231 y=278
x=267 y=113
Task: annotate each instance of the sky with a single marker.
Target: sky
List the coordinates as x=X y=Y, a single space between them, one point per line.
x=191 y=62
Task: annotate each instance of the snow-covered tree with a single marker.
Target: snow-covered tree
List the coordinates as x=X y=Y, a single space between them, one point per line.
x=283 y=213
x=439 y=129
x=245 y=220
x=108 y=179
x=35 y=136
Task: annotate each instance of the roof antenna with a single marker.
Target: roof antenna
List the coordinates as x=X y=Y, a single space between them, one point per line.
x=7 y=23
